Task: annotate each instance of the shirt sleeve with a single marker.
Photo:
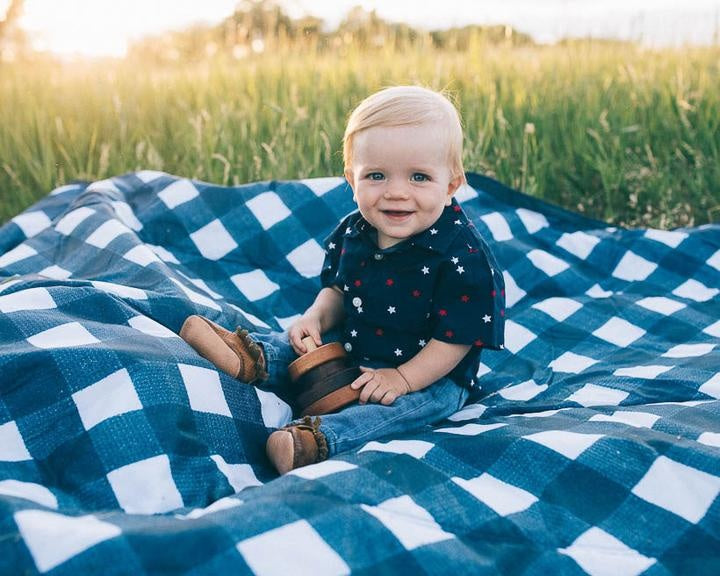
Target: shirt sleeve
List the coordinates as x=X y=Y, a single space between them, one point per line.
x=469 y=302
x=333 y=245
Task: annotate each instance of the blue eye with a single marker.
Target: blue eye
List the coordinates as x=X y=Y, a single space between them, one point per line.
x=375 y=176
x=419 y=177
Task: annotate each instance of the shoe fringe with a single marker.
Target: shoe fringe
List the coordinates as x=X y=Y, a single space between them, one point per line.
x=320 y=440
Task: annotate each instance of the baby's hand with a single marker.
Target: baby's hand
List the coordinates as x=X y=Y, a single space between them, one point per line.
x=381 y=386
x=303 y=327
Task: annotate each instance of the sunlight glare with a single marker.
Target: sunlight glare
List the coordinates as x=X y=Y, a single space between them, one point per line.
x=95 y=28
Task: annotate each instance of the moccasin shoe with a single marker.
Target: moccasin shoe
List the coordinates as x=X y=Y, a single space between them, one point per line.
x=297 y=445
x=235 y=353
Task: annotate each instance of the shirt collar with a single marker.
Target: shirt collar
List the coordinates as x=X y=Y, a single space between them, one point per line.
x=437 y=237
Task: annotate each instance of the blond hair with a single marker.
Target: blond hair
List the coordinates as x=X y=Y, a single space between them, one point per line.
x=403 y=106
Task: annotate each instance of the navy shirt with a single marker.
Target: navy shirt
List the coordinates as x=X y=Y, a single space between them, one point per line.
x=442 y=283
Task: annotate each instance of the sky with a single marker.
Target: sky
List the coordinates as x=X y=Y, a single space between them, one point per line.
x=105 y=27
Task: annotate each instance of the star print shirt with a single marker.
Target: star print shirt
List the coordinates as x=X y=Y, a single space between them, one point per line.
x=442 y=283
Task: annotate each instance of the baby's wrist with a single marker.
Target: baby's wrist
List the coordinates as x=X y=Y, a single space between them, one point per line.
x=408 y=387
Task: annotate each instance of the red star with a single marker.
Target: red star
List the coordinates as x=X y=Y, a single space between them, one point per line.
x=389 y=282
x=502 y=312
x=342 y=251
x=493 y=293
x=449 y=333
x=457 y=208
x=358 y=283
x=502 y=292
x=442 y=312
x=465 y=298
x=479 y=343
x=379 y=332
x=416 y=293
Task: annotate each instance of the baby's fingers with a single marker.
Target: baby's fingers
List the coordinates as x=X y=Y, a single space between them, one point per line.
x=361 y=380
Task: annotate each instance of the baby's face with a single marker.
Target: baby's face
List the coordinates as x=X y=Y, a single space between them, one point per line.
x=401 y=179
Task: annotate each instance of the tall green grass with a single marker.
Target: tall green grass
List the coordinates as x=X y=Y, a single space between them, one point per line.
x=620 y=133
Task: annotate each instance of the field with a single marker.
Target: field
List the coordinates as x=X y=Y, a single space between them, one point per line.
x=628 y=135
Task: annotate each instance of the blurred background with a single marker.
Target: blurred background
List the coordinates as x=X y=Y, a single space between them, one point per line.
x=611 y=109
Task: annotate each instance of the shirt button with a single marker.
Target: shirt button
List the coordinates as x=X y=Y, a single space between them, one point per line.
x=378 y=256
x=348 y=346
x=357 y=302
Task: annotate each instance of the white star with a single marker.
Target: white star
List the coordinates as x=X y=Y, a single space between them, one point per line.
x=348 y=230
x=346 y=288
x=398 y=352
x=421 y=343
x=433 y=231
x=458 y=221
x=391 y=309
x=359 y=309
x=460 y=269
x=331 y=246
x=487 y=318
x=425 y=270
x=353 y=333
x=455 y=259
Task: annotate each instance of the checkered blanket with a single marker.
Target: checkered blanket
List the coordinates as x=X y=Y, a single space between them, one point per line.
x=592 y=447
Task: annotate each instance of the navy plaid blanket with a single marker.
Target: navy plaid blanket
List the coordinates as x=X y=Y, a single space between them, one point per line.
x=592 y=447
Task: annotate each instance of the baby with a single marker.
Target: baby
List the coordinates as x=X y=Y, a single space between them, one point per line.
x=408 y=286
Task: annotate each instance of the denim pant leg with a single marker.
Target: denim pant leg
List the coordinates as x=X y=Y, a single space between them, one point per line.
x=358 y=424
x=278 y=355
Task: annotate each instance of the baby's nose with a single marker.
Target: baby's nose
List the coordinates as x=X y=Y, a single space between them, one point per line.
x=395 y=189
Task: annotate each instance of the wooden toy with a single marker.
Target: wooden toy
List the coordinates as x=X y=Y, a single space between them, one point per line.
x=323 y=376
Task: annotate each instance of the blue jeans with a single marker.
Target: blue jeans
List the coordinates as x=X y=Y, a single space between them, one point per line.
x=357 y=424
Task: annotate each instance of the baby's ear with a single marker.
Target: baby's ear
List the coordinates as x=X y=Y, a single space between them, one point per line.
x=454 y=184
x=349 y=177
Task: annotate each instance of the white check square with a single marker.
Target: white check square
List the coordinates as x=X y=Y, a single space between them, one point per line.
x=12 y=445
x=146 y=487
x=619 y=332
x=307 y=259
x=113 y=395
x=661 y=305
x=295 y=548
x=503 y=498
x=517 y=336
x=67 y=335
x=694 y=290
x=410 y=523
x=268 y=208
x=255 y=285
x=204 y=390
x=54 y=538
x=633 y=267
x=498 y=226
x=572 y=363
x=178 y=193
x=569 y=444
x=213 y=240
x=680 y=489
x=546 y=262
x=579 y=244
x=29 y=299
x=600 y=554
x=594 y=395
x=558 y=308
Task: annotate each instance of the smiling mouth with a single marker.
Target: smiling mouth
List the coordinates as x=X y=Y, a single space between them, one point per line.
x=397 y=214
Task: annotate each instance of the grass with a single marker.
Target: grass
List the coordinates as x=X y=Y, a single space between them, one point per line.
x=624 y=134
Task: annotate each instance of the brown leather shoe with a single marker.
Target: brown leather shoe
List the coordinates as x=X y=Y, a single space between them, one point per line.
x=297 y=445
x=235 y=353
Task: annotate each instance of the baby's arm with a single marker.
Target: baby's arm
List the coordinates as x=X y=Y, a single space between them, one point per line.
x=325 y=313
x=433 y=362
